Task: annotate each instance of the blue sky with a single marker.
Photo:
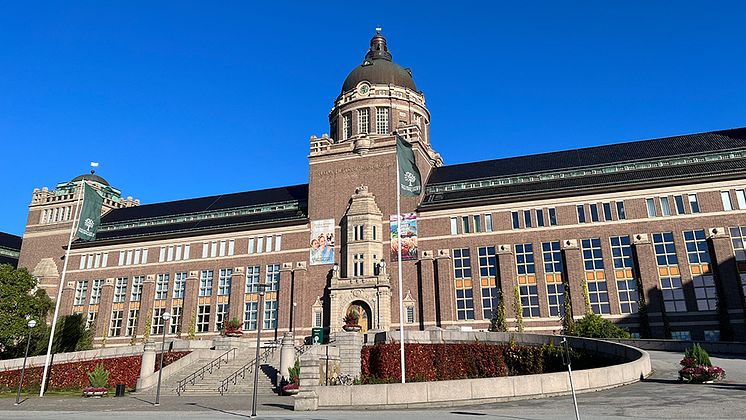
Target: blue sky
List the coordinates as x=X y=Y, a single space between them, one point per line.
x=187 y=99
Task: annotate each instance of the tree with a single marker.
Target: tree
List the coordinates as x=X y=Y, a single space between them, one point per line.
x=518 y=307
x=21 y=300
x=498 y=322
x=594 y=326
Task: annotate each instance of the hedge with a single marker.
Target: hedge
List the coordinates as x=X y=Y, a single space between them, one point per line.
x=441 y=362
x=74 y=375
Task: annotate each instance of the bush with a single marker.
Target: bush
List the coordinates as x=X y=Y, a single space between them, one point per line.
x=99 y=377
x=697 y=367
x=594 y=326
x=698 y=354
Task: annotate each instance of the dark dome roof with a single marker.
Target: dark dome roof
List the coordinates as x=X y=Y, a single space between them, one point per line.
x=90 y=177
x=377 y=68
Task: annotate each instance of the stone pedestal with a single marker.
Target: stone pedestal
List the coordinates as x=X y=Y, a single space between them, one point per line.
x=350 y=345
x=287 y=355
x=147 y=366
x=307 y=399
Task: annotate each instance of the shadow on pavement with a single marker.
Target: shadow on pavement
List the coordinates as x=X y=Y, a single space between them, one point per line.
x=219 y=410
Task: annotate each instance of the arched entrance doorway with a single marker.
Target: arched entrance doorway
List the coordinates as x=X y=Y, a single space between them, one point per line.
x=363 y=312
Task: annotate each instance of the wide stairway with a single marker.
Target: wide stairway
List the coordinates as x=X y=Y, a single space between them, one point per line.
x=208 y=376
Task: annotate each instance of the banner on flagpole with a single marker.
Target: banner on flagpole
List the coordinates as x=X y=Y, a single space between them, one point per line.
x=408 y=237
x=90 y=214
x=410 y=181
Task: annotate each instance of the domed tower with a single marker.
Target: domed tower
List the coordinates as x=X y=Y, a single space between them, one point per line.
x=377 y=98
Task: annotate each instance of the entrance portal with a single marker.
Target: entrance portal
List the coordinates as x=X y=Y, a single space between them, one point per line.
x=363 y=312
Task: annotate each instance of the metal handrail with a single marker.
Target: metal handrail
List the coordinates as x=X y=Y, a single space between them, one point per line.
x=214 y=364
x=270 y=348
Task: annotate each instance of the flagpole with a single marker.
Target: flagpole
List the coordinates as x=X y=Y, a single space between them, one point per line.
x=401 y=291
x=79 y=191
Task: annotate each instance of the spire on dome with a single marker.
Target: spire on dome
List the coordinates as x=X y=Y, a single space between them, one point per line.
x=378 y=48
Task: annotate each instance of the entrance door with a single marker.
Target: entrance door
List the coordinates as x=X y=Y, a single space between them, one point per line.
x=363 y=312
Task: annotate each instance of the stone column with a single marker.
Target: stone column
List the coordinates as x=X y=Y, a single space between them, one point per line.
x=146 y=304
x=575 y=275
x=104 y=308
x=444 y=288
x=301 y=315
x=238 y=290
x=147 y=366
x=284 y=297
x=350 y=346
x=307 y=399
x=66 y=303
x=189 y=309
x=287 y=355
x=427 y=306
x=648 y=278
x=506 y=275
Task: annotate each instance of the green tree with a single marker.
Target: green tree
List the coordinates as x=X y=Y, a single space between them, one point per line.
x=498 y=322
x=21 y=299
x=518 y=307
x=594 y=326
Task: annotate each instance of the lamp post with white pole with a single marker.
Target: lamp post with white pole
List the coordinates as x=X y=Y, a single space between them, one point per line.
x=31 y=324
x=259 y=309
x=166 y=316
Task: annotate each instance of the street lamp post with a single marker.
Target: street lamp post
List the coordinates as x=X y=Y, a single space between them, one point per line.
x=165 y=316
x=31 y=324
x=259 y=310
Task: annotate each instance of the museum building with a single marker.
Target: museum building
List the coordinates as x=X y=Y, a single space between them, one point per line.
x=649 y=234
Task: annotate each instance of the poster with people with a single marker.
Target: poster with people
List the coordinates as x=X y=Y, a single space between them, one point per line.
x=322 y=242
x=408 y=237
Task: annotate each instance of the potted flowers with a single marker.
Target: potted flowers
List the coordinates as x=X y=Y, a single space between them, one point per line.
x=99 y=378
x=697 y=368
x=293 y=386
x=232 y=328
x=351 y=322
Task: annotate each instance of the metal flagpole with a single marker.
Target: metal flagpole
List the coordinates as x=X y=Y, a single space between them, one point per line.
x=59 y=291
x=401 y=291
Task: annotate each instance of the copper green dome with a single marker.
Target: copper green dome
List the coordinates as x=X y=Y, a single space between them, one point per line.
x=377 y=68
x=90 y=177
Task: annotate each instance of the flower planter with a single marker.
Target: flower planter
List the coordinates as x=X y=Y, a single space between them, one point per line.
x=95 y=392
x=236 y=333
x=701 y=374
x=352 y=328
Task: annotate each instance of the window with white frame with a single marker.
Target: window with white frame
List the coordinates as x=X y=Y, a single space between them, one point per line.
x=540 y=218
x=454 y=226
x=553 y=269
x=488 y=280
x=465 y=226
x=668 y=272
x=516 y=223
x=249 y=316
x=594 y=212
x=698 y=254
x=693 y=203
x=252 y=245
x=179 y=285
x=595 y=278
x=96 y=287
x=679 y=202
x=477 y=223
x=203 y=318
x=727 y=204
x=665 y=206
x=650 y=205
x=174 y=326
x=115 y=325
x=526 y=275
x=624 y=274
x=463 y=284
x=363 y=120
x=270 y=315
x=81 y=290
x=681 y=335
x=132 y=323
x=527 y=220
x=120 y=290
x=488 y=222
x=410 y=314
x=358 y=263
x=607 y=211
x=346 y=126
x=273 y=277
x=581 y=213
x=382 y=120
x=318 y=318
x=224 y=281
x=157 y=323
x=741 y=199
x=252 y=279
x=90 y=319
x=552 y=216
x=620 y=213
x=137 y=284
x=161 y=286
x=221 y=312
x=133 y=257
x=205 y=283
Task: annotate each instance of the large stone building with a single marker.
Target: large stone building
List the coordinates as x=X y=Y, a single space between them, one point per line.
x=659 y=223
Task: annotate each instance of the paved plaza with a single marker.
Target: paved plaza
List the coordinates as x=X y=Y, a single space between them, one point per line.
x=660 y=396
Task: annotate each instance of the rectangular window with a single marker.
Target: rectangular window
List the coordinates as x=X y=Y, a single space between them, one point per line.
x=129 y=257
x=382 y=120
x=272 y=279
x=516 y=221
x=138 y=252
x=595 y=278
x=174 y=326
x=346 y=126
x=681 y=335
x=454 y=226
x=97 y=262
x=179 y=285
x=318 y=317
x=121 y=258
x=222 y=248
x=177 y=257
x=679 y=200
x=187 y=248
x=224 y=281
x=270 y=315
x=553 y=268
x=170 y=253
x=694 y=203
x=463 y=284
x=362 y=121
x=214 y=249
x=161 y=286
x=698 y=255
x=581 y=213
x=90 y=319
x=144 y=256
x=712 y=335
x=668 y=272
x=594 y=212
x=203 y=318
x=132 y=322
x=738 y=240
x=268 y=241
x=221 y=312
x=741 y=199
x=205 y=249
x=624 y=274
x=539 y=217
x=81 y=290
x=115 y=325
x=82 y=262
x=526 y=270
x=477 y=224
x=251 y=245
x=96 y=291
x=157 y=323
x=259 y=245
x=727 y=204
x=278 y=241
x=358 y=264
x=488 y=222
x=249 y=316
x=665 y=206
x=465 y=224
x=252 y=279
x=552 y=216
x=90 y=262
x=650 y=204
x=488 y=280
x=607 y=211
x=527 y=220
x=205 y=283
x=410 y=314
x=120 y=290
x=137 y=284
x=375 y=233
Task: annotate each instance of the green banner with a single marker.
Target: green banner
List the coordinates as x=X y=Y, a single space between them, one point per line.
x=90 y=215
x=410 y=181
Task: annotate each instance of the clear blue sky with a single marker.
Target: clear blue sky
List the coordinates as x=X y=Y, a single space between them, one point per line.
x=183 y=99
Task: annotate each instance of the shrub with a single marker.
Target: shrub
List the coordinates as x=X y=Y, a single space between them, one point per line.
x=99 y=377
x=698 y=355
x=351 y=318
x=594 y=326
x=498 y=322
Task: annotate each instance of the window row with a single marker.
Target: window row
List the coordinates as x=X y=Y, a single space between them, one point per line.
x=363 y=122
x=726 y=197
x=526 y=219
x=476 y=223
x=178 y=252
x=57 y=214
x=133 y=257
x=97 y=260
x=220 y=248
x=263 y=244
x=674 y=205
x=601 y=212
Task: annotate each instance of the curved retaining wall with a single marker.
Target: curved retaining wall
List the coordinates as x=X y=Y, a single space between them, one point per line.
x=635 y=365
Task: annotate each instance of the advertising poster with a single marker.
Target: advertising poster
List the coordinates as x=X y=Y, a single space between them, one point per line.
x=408 y=237
x=322 y=242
